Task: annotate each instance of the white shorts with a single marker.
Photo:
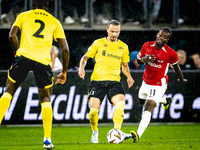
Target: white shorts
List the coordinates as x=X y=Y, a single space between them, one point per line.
x=152 y=92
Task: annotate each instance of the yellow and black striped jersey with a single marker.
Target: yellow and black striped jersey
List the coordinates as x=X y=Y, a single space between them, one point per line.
x=108 y=59
x=38 y=29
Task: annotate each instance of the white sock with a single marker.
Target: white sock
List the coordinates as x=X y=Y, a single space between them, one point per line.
x=144 y=123
x=95 y=131
x=163 y=100
x=48 y=139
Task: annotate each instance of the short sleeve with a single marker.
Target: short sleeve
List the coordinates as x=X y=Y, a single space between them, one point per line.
x=126 y=57
x=59 y=32
x=18 y=21
x=143 y=51
x=92 y=49
x=173 y=57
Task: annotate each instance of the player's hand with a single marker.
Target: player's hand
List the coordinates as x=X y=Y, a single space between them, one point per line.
x=81 y=73
x=149 y=58
x=61 y=78
x=130 y=82
x=182 y=81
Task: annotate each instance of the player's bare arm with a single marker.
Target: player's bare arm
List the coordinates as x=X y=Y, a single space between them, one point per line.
x=13 y=38
x=179 y=73
x=82 y=65
x=54 y=54
x=61 y=78
x=126 y=72
x=65 y=54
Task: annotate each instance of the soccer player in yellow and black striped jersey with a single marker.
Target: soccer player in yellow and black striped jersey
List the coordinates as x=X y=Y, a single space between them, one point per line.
x=38 y=29
x=110 y=55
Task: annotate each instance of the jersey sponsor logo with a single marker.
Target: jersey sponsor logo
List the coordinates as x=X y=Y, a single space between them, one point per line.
x=110 y=55
x=114 y=56
x=154 y=65
x=120 y=47
x=104 y=53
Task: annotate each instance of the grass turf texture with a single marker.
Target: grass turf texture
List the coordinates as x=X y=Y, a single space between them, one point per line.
x=156 y=137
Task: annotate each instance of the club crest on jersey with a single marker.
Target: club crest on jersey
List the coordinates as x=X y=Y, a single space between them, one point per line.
x=160 y=61
x=105 y=45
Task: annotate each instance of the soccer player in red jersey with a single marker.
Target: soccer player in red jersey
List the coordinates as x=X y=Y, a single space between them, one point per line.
x=157 y=56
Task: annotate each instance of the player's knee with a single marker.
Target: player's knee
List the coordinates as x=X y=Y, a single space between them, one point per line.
x=120 y=105
x=93 y=111
x=149 y=105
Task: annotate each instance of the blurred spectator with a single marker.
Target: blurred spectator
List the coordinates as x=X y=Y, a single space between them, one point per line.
x=133 y=65
x=133 y=11
x=6 y=6
x=69 y=8
x=195 y=61
x=189 y=12
x=182 y=59
x=55 y=63
x=98 y=9
x=155 y=8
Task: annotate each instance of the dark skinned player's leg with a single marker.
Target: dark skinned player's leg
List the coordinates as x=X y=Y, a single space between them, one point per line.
x=5 y=99
x=47 y=114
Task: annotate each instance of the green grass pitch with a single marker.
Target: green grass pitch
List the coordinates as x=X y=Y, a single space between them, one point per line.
x=163 y=136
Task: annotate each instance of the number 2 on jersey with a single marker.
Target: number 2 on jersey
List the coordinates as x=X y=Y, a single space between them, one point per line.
x=37 y=33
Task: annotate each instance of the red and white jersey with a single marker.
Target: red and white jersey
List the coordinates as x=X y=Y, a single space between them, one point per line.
x=156 y=72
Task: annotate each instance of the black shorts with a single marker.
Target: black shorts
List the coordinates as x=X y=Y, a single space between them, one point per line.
x=99 y=89
x=21 y=67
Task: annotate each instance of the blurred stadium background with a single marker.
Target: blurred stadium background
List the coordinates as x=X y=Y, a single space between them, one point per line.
x=70 y=100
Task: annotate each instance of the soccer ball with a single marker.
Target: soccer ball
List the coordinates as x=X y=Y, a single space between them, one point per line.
x=115 y=136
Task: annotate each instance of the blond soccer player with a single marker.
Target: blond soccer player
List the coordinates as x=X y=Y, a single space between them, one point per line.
x=111 y=54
